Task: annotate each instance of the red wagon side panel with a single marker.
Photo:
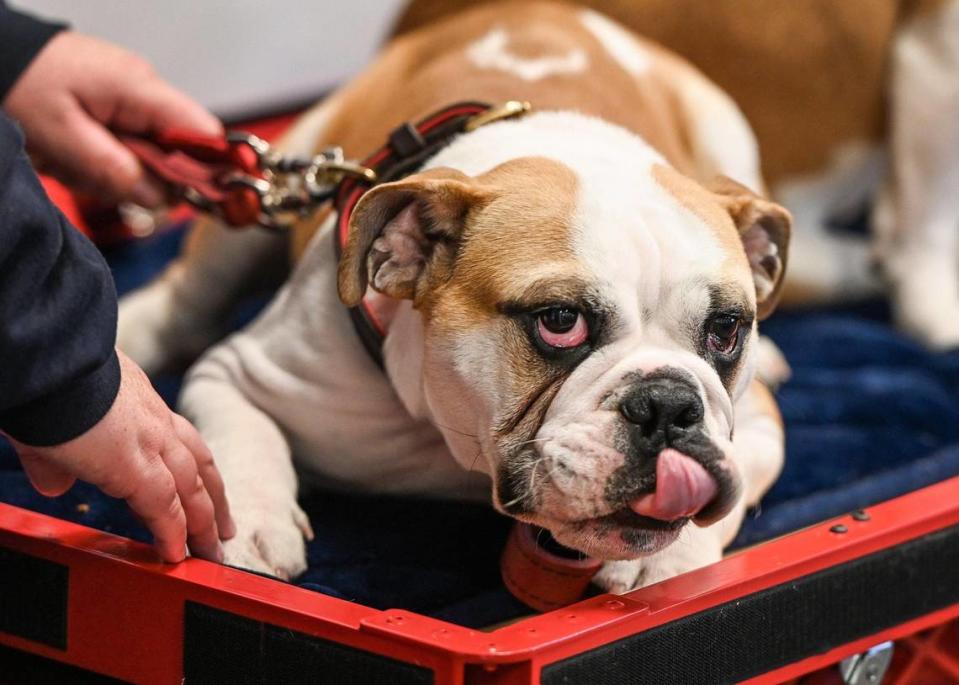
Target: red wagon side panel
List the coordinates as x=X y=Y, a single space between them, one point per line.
x=127 y=616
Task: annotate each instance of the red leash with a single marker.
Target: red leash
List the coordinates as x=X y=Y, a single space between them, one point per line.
x=240 y=178
x=201 y=167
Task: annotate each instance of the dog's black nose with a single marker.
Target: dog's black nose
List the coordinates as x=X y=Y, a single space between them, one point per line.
x=662 y=408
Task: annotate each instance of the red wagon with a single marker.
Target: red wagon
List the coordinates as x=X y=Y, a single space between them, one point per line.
x=768 y=614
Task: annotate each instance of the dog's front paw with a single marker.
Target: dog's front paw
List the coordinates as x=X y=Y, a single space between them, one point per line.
x=270 y=542
x=618 y=577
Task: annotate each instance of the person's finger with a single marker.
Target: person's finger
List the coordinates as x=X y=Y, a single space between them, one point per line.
x=155 y=500
x=201 y=528
x=209 y=473
x=88 y=157
x=154 y=104
x=48 y=478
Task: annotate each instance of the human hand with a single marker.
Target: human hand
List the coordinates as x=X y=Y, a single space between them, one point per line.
x=74 y=91
x=153 y=458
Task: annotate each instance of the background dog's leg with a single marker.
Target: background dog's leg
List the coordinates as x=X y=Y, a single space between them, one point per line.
x=826 y=267
x=917 y=217
x=254 y=458
x=758 y=445
x=177 y=316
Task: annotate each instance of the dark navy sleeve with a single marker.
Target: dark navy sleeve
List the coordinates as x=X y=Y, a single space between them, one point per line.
x=59 y=373
x=21 y=38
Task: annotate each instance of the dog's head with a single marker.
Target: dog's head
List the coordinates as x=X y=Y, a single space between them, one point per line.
x=587 y=327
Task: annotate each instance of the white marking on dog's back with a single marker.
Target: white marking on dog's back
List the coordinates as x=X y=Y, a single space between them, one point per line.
x=491 y=52
x=619 y=43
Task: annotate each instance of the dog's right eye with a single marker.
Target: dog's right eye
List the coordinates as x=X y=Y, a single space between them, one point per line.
x=722 y=334
x=562 y=328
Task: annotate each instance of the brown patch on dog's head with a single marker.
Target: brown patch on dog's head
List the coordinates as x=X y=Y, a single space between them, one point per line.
x=409 y=238
x=524 y=226
x=517 y=255
x=473 y=254
x=703 y=204
x=754 y=231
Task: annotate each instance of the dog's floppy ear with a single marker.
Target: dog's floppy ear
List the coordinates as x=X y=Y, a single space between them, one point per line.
x=402 y=231
x=764 y=228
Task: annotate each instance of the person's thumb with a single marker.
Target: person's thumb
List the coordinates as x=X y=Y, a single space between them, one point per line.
x=49 y=479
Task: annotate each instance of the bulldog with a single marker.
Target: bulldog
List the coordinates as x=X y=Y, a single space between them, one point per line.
x=855 y=105
x=570 y=299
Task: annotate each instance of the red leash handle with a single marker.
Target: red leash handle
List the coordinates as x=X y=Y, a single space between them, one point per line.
x=238 y=177
x=218 y=174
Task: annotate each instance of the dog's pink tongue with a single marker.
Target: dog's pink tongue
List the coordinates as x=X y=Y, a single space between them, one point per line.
x=683 y=488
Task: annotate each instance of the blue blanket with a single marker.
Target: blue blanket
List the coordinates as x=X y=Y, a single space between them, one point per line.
x=869 y=415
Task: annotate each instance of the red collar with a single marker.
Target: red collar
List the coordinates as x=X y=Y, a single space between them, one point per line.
x=540 y=572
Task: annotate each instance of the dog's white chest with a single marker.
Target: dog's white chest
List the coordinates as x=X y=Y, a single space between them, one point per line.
x=302 y=364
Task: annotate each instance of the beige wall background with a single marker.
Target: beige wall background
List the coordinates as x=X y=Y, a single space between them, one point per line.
x=238 y=57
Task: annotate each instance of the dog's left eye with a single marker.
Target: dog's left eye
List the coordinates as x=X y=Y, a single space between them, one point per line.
x=562 y=327
x=722 y=334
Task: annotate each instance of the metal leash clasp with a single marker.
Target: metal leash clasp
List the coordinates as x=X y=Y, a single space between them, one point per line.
x=292 y=187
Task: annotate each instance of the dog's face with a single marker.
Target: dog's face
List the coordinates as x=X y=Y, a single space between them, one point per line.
x=585 y=334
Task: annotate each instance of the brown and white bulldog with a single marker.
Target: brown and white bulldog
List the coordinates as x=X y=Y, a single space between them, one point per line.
x=855 y=105
x=572 y=300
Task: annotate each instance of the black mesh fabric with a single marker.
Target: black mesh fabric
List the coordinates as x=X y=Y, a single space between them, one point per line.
x=20 y=668
x=33 y=598
x=781 y=625
x=220 y=647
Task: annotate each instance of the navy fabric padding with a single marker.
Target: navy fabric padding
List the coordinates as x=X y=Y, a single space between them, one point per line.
x=869 y=415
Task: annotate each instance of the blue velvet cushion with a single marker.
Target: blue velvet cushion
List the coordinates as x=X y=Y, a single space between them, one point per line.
x=869 y=415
